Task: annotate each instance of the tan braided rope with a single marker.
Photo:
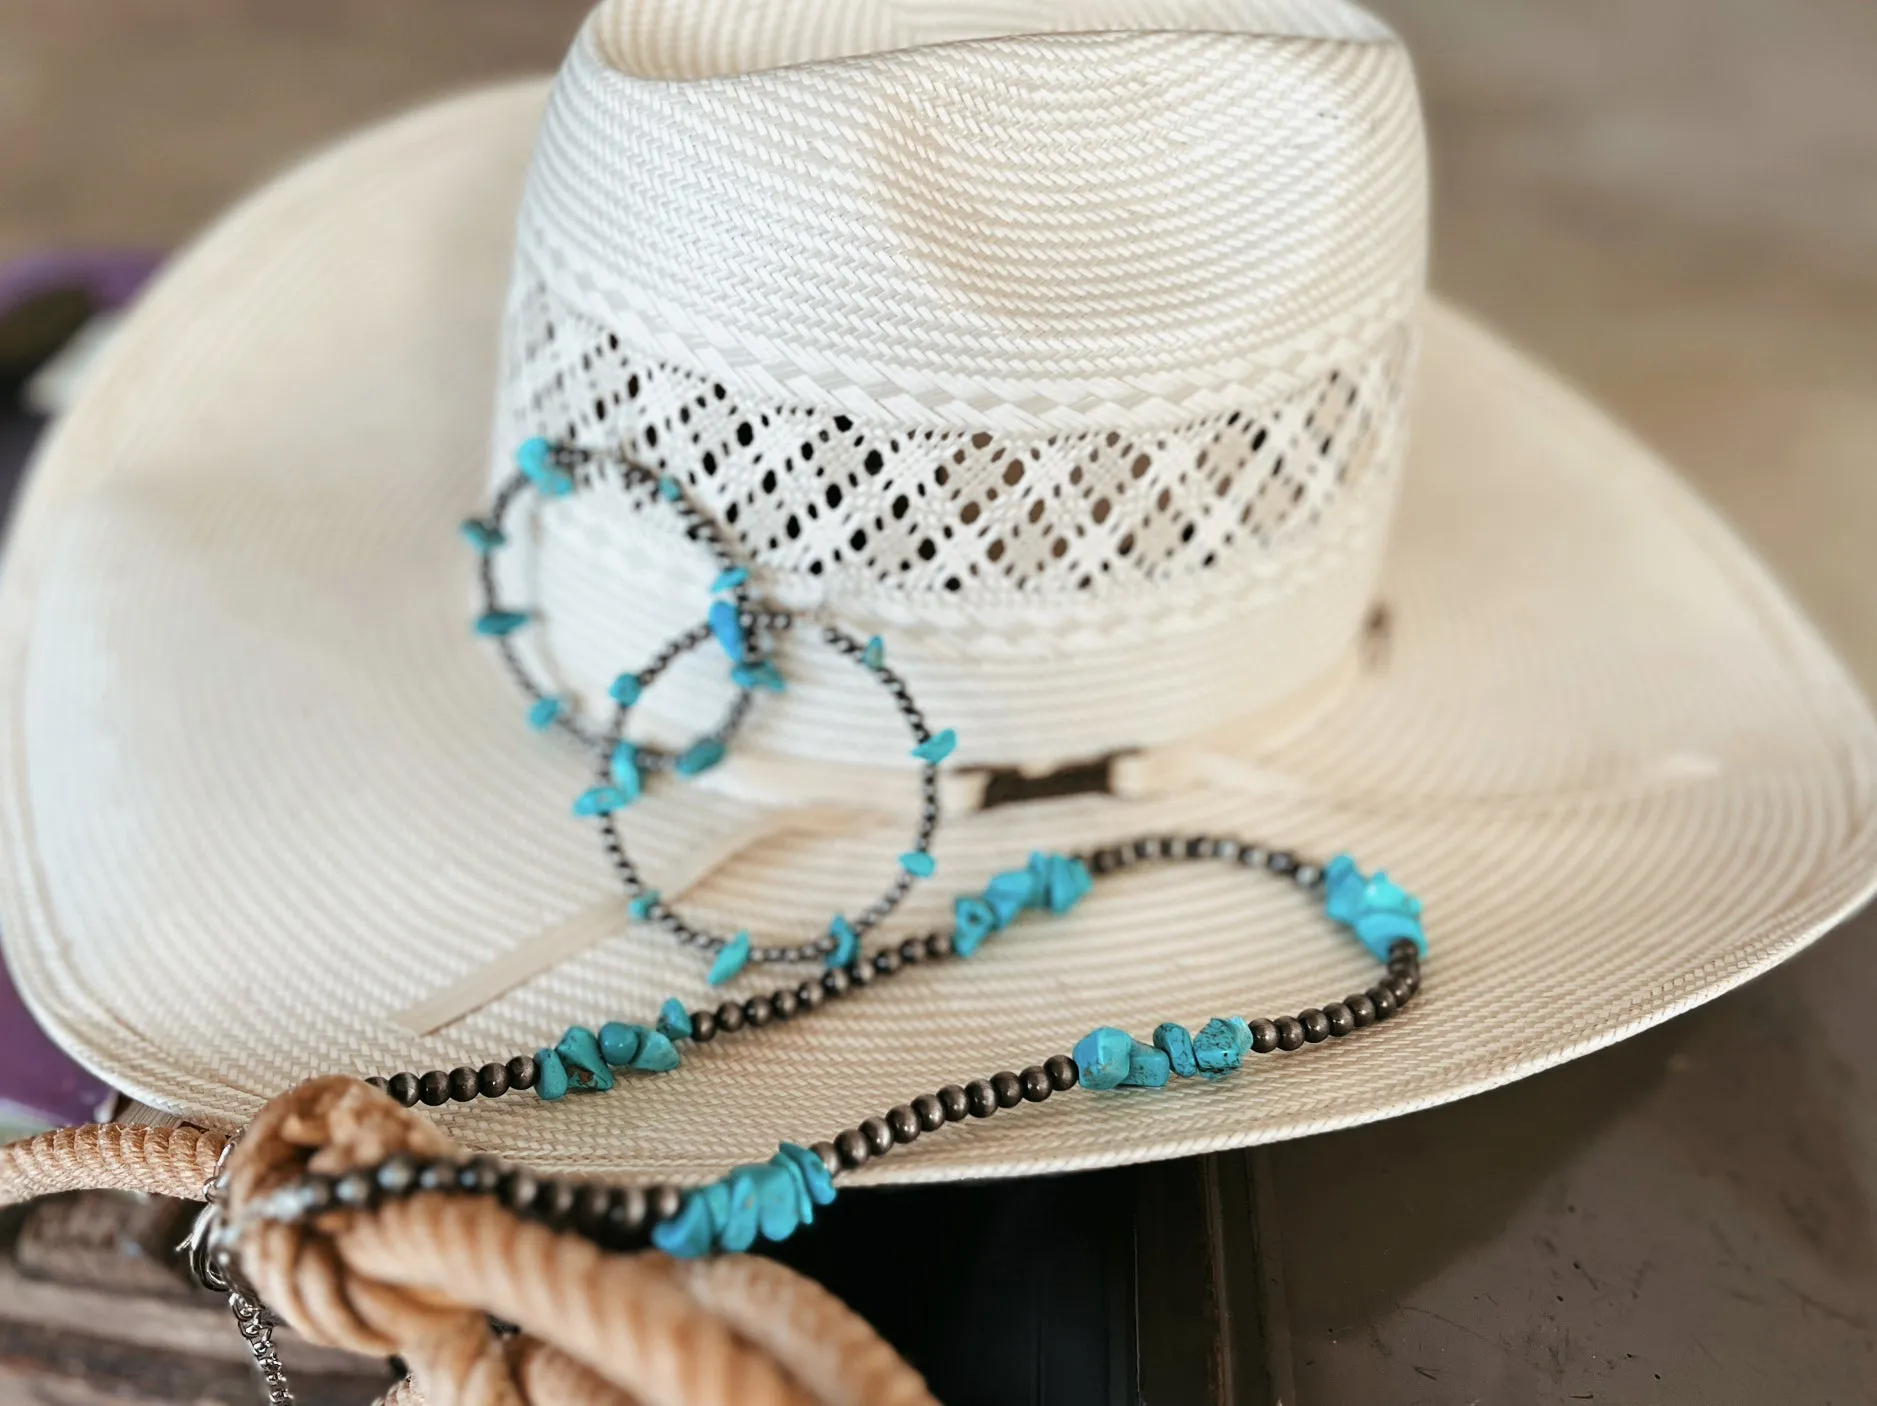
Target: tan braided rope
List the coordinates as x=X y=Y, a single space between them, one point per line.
x=420 y=1278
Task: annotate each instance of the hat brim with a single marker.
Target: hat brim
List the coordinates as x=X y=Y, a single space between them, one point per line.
x=264 y=794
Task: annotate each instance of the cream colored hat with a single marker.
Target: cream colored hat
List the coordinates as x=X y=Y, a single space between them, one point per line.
x=1072 y=349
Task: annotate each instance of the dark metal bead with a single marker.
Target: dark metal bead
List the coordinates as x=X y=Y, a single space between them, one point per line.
x=953 y=1102
x=938 y=944
x=1385 y=1003
x=809 y=995
x=626 y=1216
x=1316 y=1025
x=518 y=1189
x=878 y=1134
x=886 y=961
x=703 y=1026
x=784 y=1005
x=397 y=1174
x=1290 y=1034
x=861 y=973
x=1062 y=1072
x=911 y=952
x=981 y=1098
x=592 y=1202
x=1341 y=1021
x=1398 y=988
x=1403 y=949
x=758 y=1012
x=315 y=1194
x=480 y=1176
x=929 y=1111
x=904 y=1123
x=356 y=1191
x=1008 y=1088
x=554 y=1202
x=835 y=981
x=1280 y=861
x=1146 y=849
x=1362 y=1009
x=403 y=1088
x=1405 y=984
x=1263 y=1036
x=1198 y=847
x=439 y=1175
x=830 y=1156
x=463 y=1083
x=434 y=1088
x=666 y=1202
x=1036 y=1085
x=729 y=1018
x=378 y=1082
x=853 y=1148
x=522 y=1072
x=492 y=1080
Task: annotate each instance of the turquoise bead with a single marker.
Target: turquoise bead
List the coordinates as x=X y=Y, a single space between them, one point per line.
x=937 y=747
x=1177 y=1042
x=600 y=800
x=726 y=623
x=1148 y=1067
x=1103 y=1057
x=972 y=922
x=814 y=1172
x=846 y=942
x=736 y=1232
x=641 y=907
x=1379 y=911
x=731 y=960
x=762 y=674
x=874 y=655
x=544 y=711
x=624 y=767
x=550 y=1076
x=485 y=537
x=1241 y=1034
x=674 y=1021
x=657 y=1055
x=535 y=459
x=498 y=623
x=1010 y=893
x=619 y=1043
x=579 y=1051
x=626 y=690
x=729 y=580
x=1066 y=883
x=699 y=757
x=1216 y=1048
x=778 y=1201
x=688 y=1234
x=918 y=863
x=670 y=489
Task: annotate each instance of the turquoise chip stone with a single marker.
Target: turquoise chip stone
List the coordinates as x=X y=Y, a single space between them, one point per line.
x=1103 y=1057
x=874 y=655
x=1148 y=1067
x=1379 y=911
x=543 y=712
x=1216 y=1048
x=550 y=1076
x=699 y=757
x=485 y=537
x=778 y=1201
x=1241 y=1034
x=731 y=960
x=846 y=942
x=624 y=767
x=804 y=1203
x=688 y=1234
x=1010 y=893
x=600 y=800
x=497 y=623
x=674 y=1021
x=641 y=907
x=1177 y=1042
x=729 y=580
x=762 y=674
x=670 y=489
x=626 y=690
x=726 y=623
x=742 y=1217
x=620 y=1042
x=1068 y=882
x=579 y=1050
x=937 y=747
x=814 y=1172
x=972 y=922
x=918 y=863
x=532 y=456
x=657 y=1055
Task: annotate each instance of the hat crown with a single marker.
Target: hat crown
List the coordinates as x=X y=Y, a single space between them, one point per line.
x=1072 y=333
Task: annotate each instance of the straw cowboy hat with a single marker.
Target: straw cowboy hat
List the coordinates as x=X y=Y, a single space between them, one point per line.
x=1079 y=353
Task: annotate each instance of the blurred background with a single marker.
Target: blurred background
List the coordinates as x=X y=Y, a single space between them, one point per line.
x=1672 y=203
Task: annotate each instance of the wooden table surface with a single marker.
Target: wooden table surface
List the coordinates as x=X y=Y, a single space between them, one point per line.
x=1673 y=203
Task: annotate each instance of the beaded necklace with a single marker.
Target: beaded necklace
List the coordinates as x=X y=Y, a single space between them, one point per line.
x=770 y=1200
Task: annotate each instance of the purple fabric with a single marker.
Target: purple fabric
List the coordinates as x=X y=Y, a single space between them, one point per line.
x=112 y=278
x=38 y=1082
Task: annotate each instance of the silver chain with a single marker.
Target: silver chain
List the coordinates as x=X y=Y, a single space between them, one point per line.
x=211 y=1261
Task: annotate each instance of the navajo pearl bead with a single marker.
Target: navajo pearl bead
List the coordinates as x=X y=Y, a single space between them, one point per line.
x=1361 y=1010
x=434 y=1088
x=852 y=1145
x=929 y=1111
x=903 y=1122
x=758 y=1012
x=1007 y=1088
x=1062 y=1072
x=1290 y=1034
x=463 y=1086
x=1036 y=1085
x=1341 y=1021
x=703 y=1026
x=1263 y=1036
x=729 y=1018
x=1316 y=1025
x=492 y=1080
x=403 y=1088
x=879 y=1136
x=953 y=1101
x=981 y=1098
